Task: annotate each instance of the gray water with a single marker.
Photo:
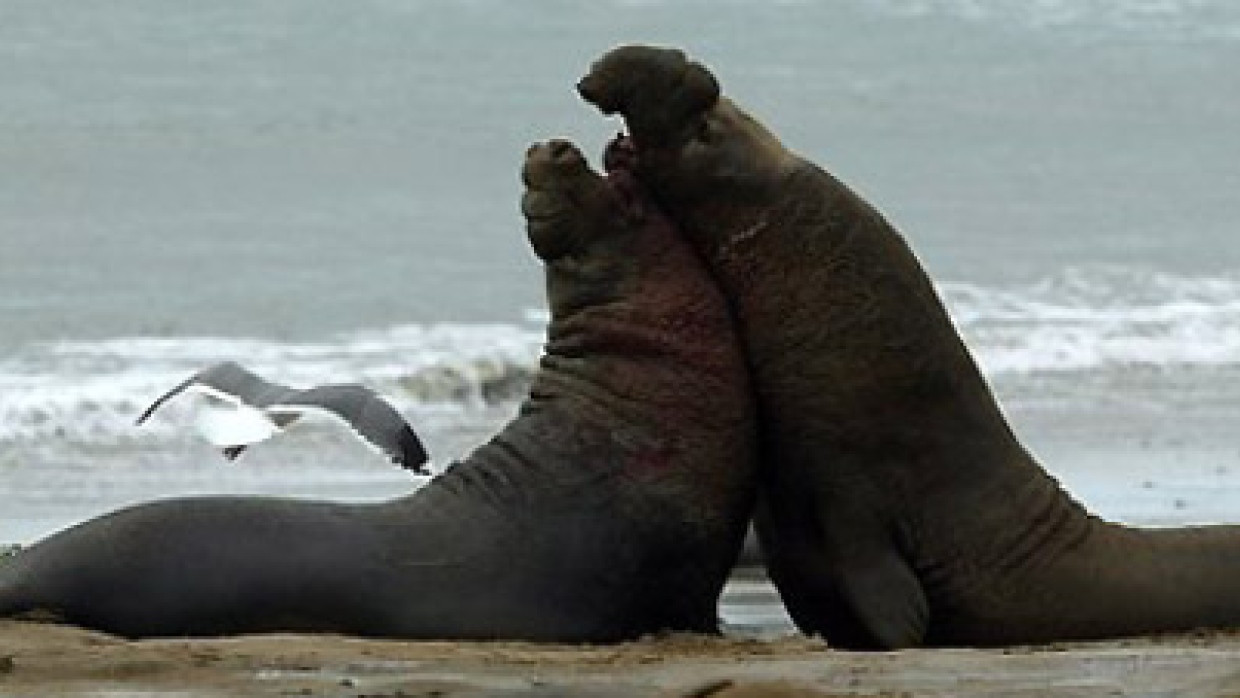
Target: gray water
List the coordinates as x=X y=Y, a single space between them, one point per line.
x=290 y=168
x=328 y=191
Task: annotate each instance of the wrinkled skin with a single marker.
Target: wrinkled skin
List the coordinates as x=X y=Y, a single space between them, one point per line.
x=896 y=508
x=612 y=506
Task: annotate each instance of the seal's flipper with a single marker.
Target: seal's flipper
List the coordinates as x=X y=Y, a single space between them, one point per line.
x=842 y=580
x=886 y=601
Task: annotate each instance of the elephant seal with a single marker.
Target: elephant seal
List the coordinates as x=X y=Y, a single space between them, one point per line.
x=896 y=507
x=612 y=506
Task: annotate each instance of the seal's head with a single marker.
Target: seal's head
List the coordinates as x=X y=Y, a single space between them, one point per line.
x=587 y=227
x=691 y=142
x=569 y=207
x=660 y=92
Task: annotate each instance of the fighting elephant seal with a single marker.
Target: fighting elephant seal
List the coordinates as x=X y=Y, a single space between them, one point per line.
x=613 y=505
x=897 y=508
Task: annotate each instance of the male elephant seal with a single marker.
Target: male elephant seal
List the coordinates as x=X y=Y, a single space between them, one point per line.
x=612 y=506
x=897 y=508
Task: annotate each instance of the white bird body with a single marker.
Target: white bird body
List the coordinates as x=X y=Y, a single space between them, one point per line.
x=225 y=425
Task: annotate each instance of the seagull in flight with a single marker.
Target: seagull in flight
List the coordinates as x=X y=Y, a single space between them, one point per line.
x=277 y=406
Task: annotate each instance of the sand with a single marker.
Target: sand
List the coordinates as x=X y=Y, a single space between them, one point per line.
x=49 y=660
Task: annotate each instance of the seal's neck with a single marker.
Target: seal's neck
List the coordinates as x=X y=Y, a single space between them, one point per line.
x=641 y=379
x=650 y=346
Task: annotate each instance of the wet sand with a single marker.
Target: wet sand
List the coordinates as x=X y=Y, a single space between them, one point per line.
x=47 y=660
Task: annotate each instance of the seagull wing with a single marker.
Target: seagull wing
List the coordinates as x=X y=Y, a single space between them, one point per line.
x=229 y=381
x=243 y=385
x=166 y=397
x=370 y=416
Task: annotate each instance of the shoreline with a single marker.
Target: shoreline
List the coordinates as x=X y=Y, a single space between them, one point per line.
x=57 y=660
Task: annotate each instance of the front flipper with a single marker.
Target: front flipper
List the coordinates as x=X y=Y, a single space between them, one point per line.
x=886 y=600
x=849 y=585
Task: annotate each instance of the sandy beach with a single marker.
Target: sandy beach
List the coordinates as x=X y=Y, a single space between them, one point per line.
x=758 y=655
x=47 y=660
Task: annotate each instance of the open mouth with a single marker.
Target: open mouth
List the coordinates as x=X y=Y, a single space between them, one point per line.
x=620 y=162
x=620 y=155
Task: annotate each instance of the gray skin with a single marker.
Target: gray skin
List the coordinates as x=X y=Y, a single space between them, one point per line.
x=612 y=506
x=896 y=508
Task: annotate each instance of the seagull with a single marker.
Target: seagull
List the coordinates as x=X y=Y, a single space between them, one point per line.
x=263 y=409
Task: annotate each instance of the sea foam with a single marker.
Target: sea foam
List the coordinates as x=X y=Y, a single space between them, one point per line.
x=1099 y=318
x=1094 y=319
x=93 y=390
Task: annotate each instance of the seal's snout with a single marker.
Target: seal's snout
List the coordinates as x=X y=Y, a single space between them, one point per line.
x=659 y=91
x=592 y=89
x=558 y=186
x=565 y=155
x=547 y=164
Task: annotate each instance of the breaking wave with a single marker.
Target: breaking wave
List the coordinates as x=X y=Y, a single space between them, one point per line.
x=1101 y=317
x=93 y=390
x=1083 y=319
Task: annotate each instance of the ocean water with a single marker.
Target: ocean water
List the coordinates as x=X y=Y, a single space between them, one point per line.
x=328 y=191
